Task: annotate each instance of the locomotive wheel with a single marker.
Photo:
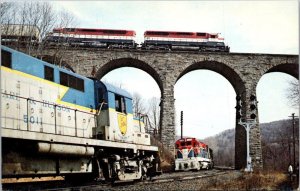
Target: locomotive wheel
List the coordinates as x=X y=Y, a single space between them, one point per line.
x=199 y=167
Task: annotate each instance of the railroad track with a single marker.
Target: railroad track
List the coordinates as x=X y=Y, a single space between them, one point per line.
x=61 y=185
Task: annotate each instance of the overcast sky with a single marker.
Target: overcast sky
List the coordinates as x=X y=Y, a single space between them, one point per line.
x=247 y=26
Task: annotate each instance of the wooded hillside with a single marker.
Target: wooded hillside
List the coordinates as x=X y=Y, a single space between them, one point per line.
x=277 y=145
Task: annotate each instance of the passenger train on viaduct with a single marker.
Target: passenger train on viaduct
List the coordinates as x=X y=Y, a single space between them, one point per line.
x=121 y=39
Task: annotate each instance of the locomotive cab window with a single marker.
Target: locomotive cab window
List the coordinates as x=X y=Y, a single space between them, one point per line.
x=120 y=104
x=70 y=29
x=63 y=78
x=71 y=81
x=101 y=99
x=49 y=73
x=56 y=30
x=114 y=32
x=184 y=33
x=5 y=58
x=156 y=33
x=88 y=30
x=201 y=34
x=80 y=84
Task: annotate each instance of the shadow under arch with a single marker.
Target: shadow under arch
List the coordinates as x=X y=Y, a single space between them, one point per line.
x=232 y=76
x=291 y=69
x=130 y=62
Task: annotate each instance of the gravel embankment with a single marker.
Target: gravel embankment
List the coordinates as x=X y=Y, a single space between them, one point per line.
x=188 y=184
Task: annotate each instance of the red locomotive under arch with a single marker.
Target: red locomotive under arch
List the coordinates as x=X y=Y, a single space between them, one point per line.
x=192 y=154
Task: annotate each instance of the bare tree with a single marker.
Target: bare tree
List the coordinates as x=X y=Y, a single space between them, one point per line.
x=293 y=93
x=9 y=15
x=34 y=20
x=66 y=19
x=154 y=112
x=47 y=20
x=5 y=10
x=138 y=104
x=29 y=21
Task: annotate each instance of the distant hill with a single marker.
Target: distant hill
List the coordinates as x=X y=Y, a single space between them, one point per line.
x=276 y=137
x=223 y=146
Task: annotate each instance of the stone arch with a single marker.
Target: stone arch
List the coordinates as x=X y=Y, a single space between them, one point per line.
x=227 y=72
x=235 y=79
x=130 y=62
x=287 y=68
x=135 y=63
x=291 y=69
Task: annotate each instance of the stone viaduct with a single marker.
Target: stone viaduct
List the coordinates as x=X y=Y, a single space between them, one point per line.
x=242 y=70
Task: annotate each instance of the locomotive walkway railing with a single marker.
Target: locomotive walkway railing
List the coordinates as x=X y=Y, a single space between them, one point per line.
x=144 y=118
x=34 y=115
x=29 y=114
x=165 y=153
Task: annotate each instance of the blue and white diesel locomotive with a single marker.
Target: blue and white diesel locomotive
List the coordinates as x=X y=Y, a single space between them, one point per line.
x=56 y=122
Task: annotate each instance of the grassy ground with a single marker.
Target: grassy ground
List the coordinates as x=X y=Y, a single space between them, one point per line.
x=258 y=181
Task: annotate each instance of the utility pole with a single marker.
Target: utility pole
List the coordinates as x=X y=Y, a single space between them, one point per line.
x=181 y=123
x=289 y=151
x=293 y=121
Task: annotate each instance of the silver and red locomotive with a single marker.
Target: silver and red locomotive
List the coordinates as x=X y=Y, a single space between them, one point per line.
x=192 y=154
x=171 y=40
x=88 y=37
